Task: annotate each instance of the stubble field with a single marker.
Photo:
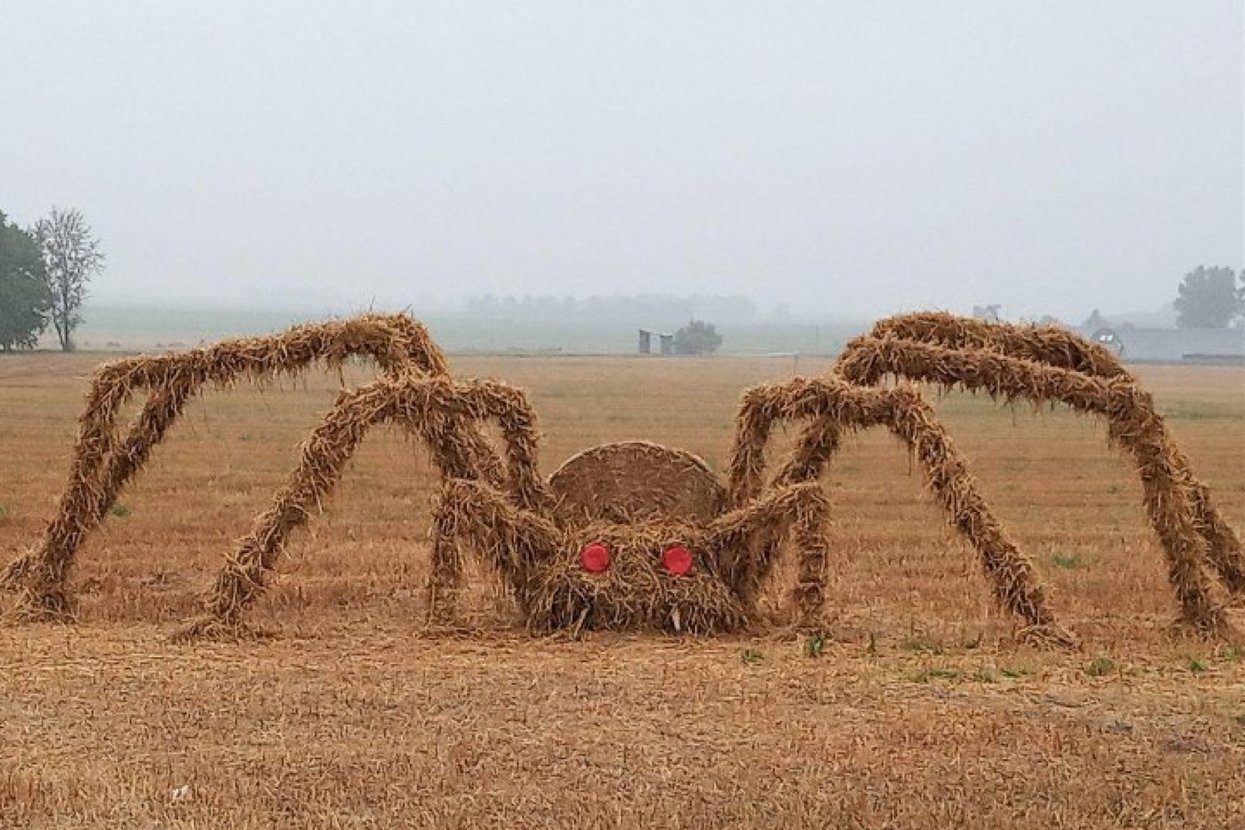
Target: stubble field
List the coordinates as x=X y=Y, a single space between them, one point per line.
x=921 y=711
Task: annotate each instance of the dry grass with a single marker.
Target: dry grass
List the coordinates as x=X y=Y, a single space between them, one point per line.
x=920 y=711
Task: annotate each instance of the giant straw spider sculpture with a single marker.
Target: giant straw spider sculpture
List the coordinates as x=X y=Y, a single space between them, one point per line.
x=632 y=534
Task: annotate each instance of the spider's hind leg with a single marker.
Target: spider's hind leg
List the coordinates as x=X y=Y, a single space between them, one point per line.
x=902 y=346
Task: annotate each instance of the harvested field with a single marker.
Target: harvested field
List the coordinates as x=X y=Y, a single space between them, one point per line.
x=921 y=710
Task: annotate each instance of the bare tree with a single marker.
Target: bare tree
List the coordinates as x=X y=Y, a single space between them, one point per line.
x=72 y=256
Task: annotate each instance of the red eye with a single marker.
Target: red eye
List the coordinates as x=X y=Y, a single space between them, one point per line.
x=677 y=560
x=595 y=558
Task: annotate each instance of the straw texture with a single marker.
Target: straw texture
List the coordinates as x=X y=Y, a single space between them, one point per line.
x=833 y=405
x=435 y=410
x=639 y=499
x=1047 y=364
x=105 y=460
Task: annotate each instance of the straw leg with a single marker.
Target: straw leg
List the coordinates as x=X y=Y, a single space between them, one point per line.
x=1015 y=585
x=43 y=572
x=745 y=542
x=445 y=579
x=866 y=359
x=508 y=539
x=1223 y=545
x=102 y=466
x=435 y=409
x=819 y=442
x=834 y=405
x=1192 y=534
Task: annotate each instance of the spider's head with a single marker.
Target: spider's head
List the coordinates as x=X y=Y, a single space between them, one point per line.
x=653 y=575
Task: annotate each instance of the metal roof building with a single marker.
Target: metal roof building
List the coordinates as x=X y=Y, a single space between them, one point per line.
x=1173 y=345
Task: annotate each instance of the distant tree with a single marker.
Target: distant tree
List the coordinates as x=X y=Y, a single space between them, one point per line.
x=1240 y=299
x=1208 y=298
x=989 y=313
x=24 y=296
x=71 y=256
x=1095 y=321
x=697 y=337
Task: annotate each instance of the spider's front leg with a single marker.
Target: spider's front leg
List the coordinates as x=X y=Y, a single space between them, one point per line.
x=510 y=540
x=744 y=543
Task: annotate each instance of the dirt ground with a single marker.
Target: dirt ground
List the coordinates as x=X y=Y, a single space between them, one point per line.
x=922 y=710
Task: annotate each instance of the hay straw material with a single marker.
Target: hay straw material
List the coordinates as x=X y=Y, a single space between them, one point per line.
x=105 y=461
x=1060 y=349
x=636 y=498
x=1179 y=507
x=433 y=409
x=1051 y=345
x=539 y=559
x=530 y=539
x=632 y=480
x=834 y=405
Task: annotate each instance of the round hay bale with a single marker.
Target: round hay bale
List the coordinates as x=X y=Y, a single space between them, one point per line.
x=630 y=481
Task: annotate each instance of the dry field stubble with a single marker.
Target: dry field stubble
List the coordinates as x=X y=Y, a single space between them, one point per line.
x=920 y=711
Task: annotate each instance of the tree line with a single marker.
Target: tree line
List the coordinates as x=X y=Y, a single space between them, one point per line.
x=641 y=309
x=44 y=272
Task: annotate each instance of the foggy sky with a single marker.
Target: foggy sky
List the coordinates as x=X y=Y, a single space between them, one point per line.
x=849 y=158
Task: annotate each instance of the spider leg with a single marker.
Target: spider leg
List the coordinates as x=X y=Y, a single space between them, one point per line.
x=104 y=461
x=834 y=405
x=433 y=409
x=1055 y=347
x=744 y=542
x=510 y=540
x=1177 y=504
x=1049 y=345
x=42 y=571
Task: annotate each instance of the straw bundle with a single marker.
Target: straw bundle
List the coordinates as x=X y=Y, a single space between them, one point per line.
x=1061 y=349
x=435 y=410
x=743 y=544
x=1051 y=345
x=1188 y=528
x=832 y=405
x=633 y=480
x=104 y=461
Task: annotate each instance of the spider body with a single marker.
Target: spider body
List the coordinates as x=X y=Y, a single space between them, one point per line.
x=628 y=536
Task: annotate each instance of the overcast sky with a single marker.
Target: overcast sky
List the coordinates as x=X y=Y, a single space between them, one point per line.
x=854 y=158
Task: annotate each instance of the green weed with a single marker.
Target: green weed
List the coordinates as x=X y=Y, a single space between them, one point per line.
x=928 y=675
x=1100 y=666
x=1067 y=562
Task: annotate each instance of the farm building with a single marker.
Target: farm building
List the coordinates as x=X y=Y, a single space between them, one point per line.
x=665 y=342
x=1173 y=345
